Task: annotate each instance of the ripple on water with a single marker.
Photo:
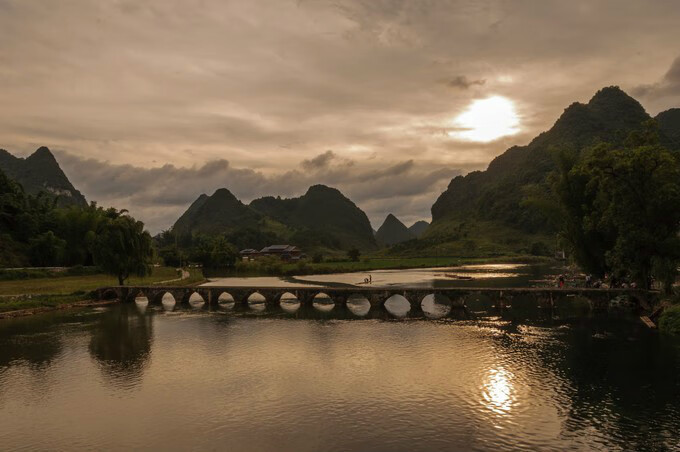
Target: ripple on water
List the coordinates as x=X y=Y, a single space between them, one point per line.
x=127 y=378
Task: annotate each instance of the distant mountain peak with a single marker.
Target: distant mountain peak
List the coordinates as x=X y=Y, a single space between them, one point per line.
x=217 y=213
x=222 y=194
x=393 y=231
x=608 y=93
x=418 y=228
x=41 y=172
x=42 y=151
x=332 y=216
x=613 y=100
x=323 y=189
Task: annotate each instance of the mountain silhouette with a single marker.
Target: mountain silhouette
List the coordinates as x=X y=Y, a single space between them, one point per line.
x=40 y=172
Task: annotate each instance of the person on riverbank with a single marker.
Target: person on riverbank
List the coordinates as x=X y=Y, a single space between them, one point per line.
x=560 y=281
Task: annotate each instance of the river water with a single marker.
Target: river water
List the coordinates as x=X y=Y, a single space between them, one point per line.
x=166 y=377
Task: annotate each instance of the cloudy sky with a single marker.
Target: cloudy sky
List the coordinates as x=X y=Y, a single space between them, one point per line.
x=147 y=104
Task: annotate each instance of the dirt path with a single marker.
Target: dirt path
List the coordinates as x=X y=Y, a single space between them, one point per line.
x=185 y=275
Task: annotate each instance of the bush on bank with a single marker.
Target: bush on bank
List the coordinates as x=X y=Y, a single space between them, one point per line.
x=670 y=320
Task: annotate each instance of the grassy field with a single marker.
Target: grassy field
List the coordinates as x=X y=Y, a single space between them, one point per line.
x=54 y=291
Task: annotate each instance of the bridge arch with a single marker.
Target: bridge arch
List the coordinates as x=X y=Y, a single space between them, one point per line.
x=480 y=303
x=289 y=302
x=397 y=305
x=323 y=302
x=225 y=300
x=109 y=294
x=358 y=304
x=195 y=299
x=256 y=301
x=139 y=297
x=167 y=300
x=435 y=305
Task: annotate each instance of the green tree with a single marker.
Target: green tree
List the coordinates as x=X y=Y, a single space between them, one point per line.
x=46 y=250
x=354 y=254
x=170 y=255
x=122 y=246
x=78 y=226
x=201 y=249
x=223 y=253
x=618 y=209
x=637 y=198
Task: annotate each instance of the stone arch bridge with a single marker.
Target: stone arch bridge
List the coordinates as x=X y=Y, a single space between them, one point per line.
x=500 y=298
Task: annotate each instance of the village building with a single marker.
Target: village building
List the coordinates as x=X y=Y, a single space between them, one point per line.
x=248 y=254
x=285 y=252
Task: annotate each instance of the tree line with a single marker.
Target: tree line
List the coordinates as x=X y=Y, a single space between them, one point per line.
x=34 y=231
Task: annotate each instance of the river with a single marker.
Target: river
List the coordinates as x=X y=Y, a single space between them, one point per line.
x=164 y=377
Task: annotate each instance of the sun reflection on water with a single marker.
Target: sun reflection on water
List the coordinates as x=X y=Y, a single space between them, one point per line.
x=498 y=391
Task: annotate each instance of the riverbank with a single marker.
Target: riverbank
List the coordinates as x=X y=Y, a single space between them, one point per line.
x=58 y=292
x=56 y=307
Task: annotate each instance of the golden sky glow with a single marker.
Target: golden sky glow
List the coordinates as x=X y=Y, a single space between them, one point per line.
x=148 y=104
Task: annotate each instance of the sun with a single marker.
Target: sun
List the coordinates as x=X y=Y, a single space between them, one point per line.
x=486 y=120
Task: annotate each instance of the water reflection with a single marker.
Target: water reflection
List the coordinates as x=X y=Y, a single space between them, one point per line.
x=358 y=305
x=322 y=302
x=33 y=340
x=435 y=306
x=257 y=302
x=398 y=306
x=168 y=302
x=196 y=301
x=142 y=304
x=121 y=344
x=289 y=303
x=497 y=391
x=424 y=385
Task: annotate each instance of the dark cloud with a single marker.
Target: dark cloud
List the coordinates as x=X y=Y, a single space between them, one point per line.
x=462 y=82
x=320 y=161
x=159 y=195
x=669 y=84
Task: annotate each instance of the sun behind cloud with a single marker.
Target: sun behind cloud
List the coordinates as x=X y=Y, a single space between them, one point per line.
x=486 y=120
